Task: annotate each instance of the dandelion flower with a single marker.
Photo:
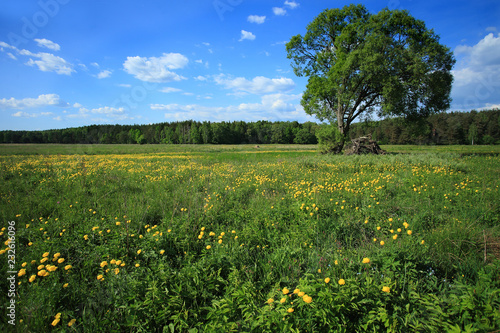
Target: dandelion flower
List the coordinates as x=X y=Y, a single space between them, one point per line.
x=327 y=280
x=386 y=289
x=341 y=282
x=366 y=260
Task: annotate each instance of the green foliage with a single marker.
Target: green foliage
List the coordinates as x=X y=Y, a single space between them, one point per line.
x=356 y=61
x=329 y=139
x=234 y=239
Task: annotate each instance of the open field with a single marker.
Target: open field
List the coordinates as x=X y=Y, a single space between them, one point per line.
x=163 y=238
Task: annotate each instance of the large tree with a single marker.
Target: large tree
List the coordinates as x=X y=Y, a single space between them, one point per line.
x=358 y=63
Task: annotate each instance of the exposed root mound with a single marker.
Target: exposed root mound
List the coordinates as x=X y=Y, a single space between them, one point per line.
x=364 y=145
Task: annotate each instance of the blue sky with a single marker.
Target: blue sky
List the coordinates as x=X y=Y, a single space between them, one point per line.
x=69 y=63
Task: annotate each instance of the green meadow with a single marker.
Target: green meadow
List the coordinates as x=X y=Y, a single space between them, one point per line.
x=239 y=238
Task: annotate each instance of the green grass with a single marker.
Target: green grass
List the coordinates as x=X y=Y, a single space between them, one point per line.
x=210 y=237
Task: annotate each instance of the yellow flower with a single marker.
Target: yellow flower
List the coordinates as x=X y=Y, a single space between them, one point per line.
x=319 y=270
x=71 y=322
x=300 y=294
x=378 y=228
x=68 y=267
x=57 y=255
x=269 y=301
x=285 y=291
x=399 y=229
x=220 y=241
x=422 y=242
x=137 y=265
x=307 y=299
x=382 y=242
x=409 y=232
x=61 y=260
x=117 y=223
x=366 y=260
x=290 y=310
x=327 y=280
x=32 y=278
x=390 y=219
x=21 y=272
x=208 y=247
x=46 y=254
x=113 y=261
x=341 y=282
x=99 y=277
x=104 y=263
x=162 y=251
x=296 y=291
x=56 y=321
x=386 y=289
x=336 y=262
x=118 y=262
x=395 y=237
x=283 y=300
x=139 y=251
x=65 y=285
x=24 y=264
x=117 y=270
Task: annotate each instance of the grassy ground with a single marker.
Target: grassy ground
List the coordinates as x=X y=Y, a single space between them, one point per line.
x=237 y=238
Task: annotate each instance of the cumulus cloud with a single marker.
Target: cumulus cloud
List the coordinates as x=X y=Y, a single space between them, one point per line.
x=170 y=90
x=156 y=69
x=291 y=4
x=47 y=44
x=46 y=62
x=104 y=74
x=279 y=11
x=477 y=74
x=271 y=107
x=246 y=35
x=258 y=85
x=256 y=19
x=40 y=101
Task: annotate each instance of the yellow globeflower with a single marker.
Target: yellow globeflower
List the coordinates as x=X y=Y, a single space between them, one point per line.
x=285 y=291
x=117 y=270
x=42 y=272
x=46 y=254
x=56 y=321
x=104 y=263
x=32 y=278
x=395 y=237
x=139 y=251
x=21 y=272
x=283 y=300
x=422 y=242
x=86 y=237
x=99 y=277
x=65 y=285
x=220 y=241
x=300 y=294
x=327 y=280
x=137 y=265
x=409 y=232
x=162 y=251
x=208 y=247
x=57 y=255
x=382 y=242
x=113 y=261
x=269 y=301
x=60 y=260
x=118 y=262
x=341 y=282
x=366 y=260
x=307 y=299
x=67 y=267
x=71 y=322
x=386 y=289
x=290 y=310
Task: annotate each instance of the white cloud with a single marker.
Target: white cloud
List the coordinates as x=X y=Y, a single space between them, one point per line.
x=47 y=62
x=246 y=35
x=271 y=107
x=125 y=85
x=258 y=85
x=279 y=11
x=477 y=76
x=169 y=90
x=104 y=74
x=256 y=19
x=200 y=78
x=156 y=69
x=40 y=101
x=291 y=4
x=47 y=44
x=31 y=115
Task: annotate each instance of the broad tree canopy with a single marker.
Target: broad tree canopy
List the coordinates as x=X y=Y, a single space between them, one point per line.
x=358 y=63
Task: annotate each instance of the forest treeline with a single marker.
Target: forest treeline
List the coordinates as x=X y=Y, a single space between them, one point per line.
x=473 y=127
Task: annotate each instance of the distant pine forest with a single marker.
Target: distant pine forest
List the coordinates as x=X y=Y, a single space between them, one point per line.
x=453 y=128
